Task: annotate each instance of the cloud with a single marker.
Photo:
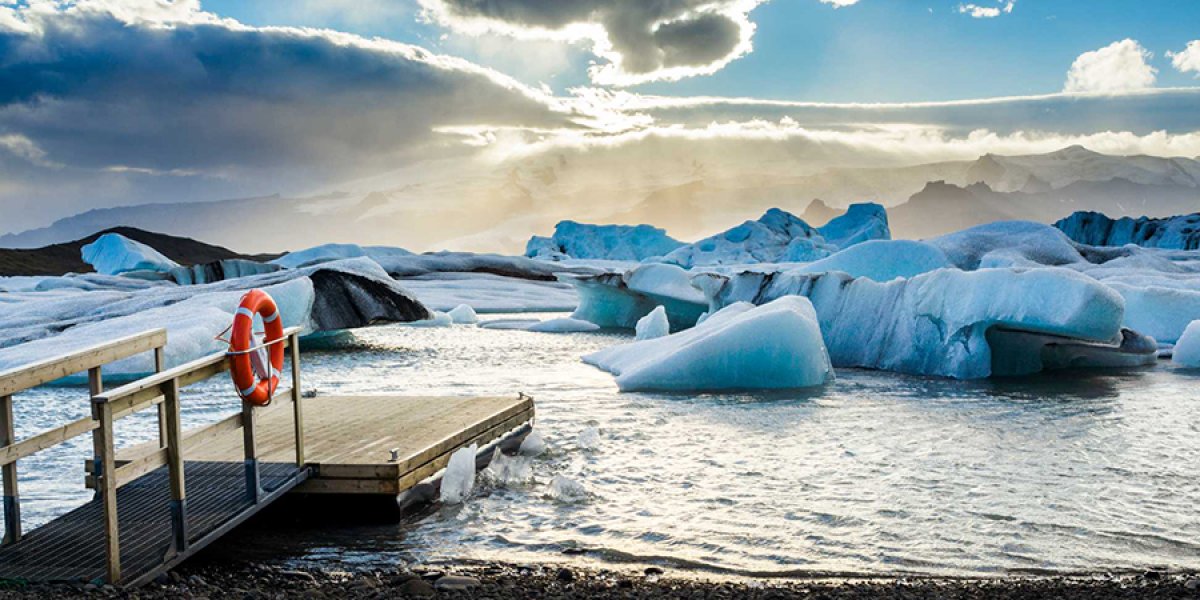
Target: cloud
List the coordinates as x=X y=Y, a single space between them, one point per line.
x=840 y=3
x=1188 y=60
x=650 y=40
x=987 y=12
x=1120 y=66
x=123 y=90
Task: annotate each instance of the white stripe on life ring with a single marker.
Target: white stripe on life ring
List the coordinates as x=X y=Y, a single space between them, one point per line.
x=271 y=319
x=242 y=310
x=248 y=391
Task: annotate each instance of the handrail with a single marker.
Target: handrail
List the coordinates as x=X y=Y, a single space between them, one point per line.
x=19 y=379
x=163 y=389
x=34 y=374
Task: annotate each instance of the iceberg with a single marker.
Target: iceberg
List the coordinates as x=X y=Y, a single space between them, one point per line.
x=862 y=222
x=619 y=300
x=602 y=242
x=1096 y=229
x=774 y=346
x=883 y=260
x=330 y=252
x=220 y=270
x=330 y=297
x=653 y=325
x=1187 y=351
x=114 y=254
x=1007 y=244
x=938 y=323
x=463 y=314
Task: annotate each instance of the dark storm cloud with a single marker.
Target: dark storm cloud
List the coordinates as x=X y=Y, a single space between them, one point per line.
x=644 y=40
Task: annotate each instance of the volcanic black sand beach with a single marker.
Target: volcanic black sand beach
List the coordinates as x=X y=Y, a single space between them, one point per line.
x=208 y=579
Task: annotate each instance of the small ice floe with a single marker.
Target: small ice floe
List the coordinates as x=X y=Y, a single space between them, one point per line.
x=653 y=325
x=463 y=314
x=459 y=478
x=588 y=439
x=564 y=325
x=506 y=471
x=566 y=490
x=440 y=319
x=509 y=324
x=1187 y=350
x=533 y=444
x=774 y=346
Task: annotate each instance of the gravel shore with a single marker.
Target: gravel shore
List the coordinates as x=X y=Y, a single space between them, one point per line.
x=250 y=582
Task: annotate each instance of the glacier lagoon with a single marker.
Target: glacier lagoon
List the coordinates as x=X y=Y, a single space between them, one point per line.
x=874 y=473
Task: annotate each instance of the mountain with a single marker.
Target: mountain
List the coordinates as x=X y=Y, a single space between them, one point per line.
x=62 y=258
x=497 y=206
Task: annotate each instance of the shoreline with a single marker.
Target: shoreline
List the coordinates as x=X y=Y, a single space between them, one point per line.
x=207 y=577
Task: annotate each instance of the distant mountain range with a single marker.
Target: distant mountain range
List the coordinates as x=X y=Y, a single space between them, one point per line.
x=497 y=208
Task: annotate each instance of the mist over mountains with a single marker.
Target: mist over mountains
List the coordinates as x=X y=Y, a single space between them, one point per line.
x=497 y=207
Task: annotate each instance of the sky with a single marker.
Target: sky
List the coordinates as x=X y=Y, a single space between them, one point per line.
x=117 y=102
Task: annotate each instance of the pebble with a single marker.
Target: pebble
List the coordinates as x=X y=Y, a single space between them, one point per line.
x=417 y=588
x=456 y=583
x=565 y=575
x=653 y=571
x=1192 y=584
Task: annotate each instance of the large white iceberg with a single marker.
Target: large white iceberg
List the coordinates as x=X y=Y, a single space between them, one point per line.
x=953 y=323
x=604 y=242
x=114 y=254
x=774 y=346
x=1187 y=351
x=862 y=222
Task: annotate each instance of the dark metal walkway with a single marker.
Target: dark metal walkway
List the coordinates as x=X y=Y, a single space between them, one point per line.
x=72 y=547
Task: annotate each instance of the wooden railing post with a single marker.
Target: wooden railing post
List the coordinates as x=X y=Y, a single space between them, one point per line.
x=12 y=498
x=253 y=483
x=174 y=436
x=297 y=411
x=104 y=463
x=159 y=361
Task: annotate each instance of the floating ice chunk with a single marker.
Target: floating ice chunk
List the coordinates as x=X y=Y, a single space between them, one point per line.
x=565 y=490
x=564 y=325
x=509 y=324
x=1160 y=312
x=620 y=299
x=506 y=471
x=606 y=242
x=938 y=323
x=862 y=222
x=883 y=260
x=439 y=319
x=459 y=478
x=1187 y=350
x=533 y=444
x=774 y=346
x=220 y=270
x=114 y=254
x=588 y=439
x=653 y=325
x=463 y=314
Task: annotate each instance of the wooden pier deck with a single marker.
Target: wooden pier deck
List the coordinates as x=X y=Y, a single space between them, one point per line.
x=158 y=503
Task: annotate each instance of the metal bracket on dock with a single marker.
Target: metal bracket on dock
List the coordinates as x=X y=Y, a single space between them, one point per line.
x=179 y=524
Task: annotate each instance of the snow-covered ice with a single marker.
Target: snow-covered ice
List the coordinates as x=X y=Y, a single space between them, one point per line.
x=774 y=346
x=653 y=325
x=1187 y=350
x=489 y=293
x=882 y=260
x=114 y=254
x=330 y=252
x=563 y=325
x=605 y=242
x=459 y=478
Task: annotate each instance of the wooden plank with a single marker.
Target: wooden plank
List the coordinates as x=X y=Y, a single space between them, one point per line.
x=155 y=382
x=51 y=369
x=457 y=438
x=430 y=468
x=12 y=497
x=160 y=364
x=390 y=487
x=47 y=439
x=297 y=405
x=175 y=466
x=356 y=471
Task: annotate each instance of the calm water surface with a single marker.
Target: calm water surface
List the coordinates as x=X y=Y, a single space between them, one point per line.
x=875 y=473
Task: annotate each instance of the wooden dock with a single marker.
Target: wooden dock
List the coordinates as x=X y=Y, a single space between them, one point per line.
x=158 y=503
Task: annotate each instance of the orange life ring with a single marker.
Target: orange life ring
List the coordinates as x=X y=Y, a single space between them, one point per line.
x=256 y=368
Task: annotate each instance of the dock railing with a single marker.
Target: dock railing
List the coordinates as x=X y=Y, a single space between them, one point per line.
x=163 y=389
x=18 y=380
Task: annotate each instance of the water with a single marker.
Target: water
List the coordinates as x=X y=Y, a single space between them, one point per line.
x=876 y=473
